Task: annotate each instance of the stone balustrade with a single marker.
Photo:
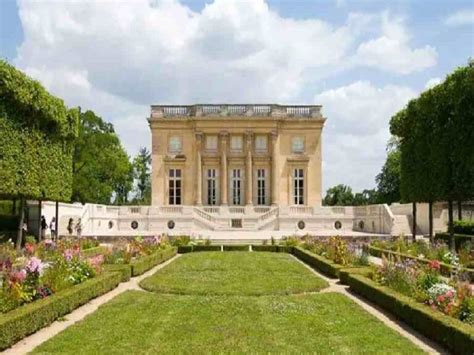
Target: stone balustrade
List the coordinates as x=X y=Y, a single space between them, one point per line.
x=272 y=110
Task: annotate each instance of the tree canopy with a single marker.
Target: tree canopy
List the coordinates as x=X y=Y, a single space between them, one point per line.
x=388 y=180
x=101 y=166
x=37 y=133
x=141 y=172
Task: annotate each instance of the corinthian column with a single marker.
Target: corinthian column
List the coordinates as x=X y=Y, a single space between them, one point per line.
x=274 y=178
x=224 y=136
x=248 y=165
x=198 y=169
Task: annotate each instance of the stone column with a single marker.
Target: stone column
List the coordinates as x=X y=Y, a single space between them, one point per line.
x=198 y=169
x=274 y=178
x=224 y=184
x=248 y=165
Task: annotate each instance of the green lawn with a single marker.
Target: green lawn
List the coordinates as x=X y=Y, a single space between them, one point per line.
x=147 y=323
x=234 y=273
x=218 y=302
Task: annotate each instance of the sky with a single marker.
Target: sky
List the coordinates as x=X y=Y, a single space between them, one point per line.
x=361 y=60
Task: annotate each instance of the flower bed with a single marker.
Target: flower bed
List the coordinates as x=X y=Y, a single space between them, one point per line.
x=319 y=262
x=27 y=319
x=451 y=333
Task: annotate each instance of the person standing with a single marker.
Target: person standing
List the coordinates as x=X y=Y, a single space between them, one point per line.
x=52 y=228
x=44 y=226
x=79 y=228
x=70 y=226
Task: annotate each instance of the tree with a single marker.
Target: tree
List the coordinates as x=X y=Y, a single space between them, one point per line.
x=339 y=195
x=37 y=133
x=141 y=172
x=366 y=197
x=388 y=180
x=101 y=165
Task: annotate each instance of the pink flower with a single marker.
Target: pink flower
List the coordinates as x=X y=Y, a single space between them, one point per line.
x=18 y=276
x=29 y=248
x=435 y=264
x=68 y=255
x=34 y=265
x=440 y=298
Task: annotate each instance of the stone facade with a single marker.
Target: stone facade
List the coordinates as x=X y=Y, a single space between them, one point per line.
x=203 y=155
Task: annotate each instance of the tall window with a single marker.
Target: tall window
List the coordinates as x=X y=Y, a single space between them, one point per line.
x=211 y=187
x=297 y=145
x=261 y=144
x=261 y=186
x=236 y=143
x=236 y=186
x=298 y=186
x=175 y=187
x=174 y=145
x=211 y=143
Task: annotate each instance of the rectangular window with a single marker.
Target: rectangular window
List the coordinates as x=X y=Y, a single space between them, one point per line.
x=298 y=186
x=261 y=144
x=174 y=145
x=211 y=187
x=297 y=145
x=211 y=143
x=236 y=143
x=236 y=186
x=261 y=187
x=175 y=185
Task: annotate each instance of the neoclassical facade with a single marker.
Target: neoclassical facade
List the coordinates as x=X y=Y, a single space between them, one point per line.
x=236 y=155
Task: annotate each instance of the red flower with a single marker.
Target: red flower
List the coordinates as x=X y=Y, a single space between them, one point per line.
x=30 y=248
x=435 y=264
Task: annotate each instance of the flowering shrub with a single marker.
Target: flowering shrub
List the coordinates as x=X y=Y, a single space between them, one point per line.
x=442 y=297
x=127 y=251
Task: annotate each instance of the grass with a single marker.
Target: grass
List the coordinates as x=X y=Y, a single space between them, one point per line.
x=137 y=322
x=234 y=273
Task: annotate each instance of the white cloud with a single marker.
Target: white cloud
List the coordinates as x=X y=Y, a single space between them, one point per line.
x=355 y=136
x=391 y=51
x=461 y=18
x=432 y=83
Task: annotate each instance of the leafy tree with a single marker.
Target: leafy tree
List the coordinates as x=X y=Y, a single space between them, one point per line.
x=388 y=180
x=366 y=197
x=101 y=167
x=141 y=172
x=339 y=195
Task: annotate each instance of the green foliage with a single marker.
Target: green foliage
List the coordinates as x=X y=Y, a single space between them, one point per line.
x=101 y=165
x=320 y=263
x=339 y=195
x=124 y=269
x=8 y=222
x=463 y=227
x=141 y=173
x=36 y=139
x=388 y=181
x=235 y=247
x=145 y=263
x=25 y=320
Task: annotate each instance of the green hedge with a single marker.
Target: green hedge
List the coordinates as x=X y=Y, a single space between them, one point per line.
x=445 y=269
x=324 y=265
x=27 y=319
x=268 y=248
x=94 y=251
x=124 y=269
x=183 y=249
x=356 y=270
x=451 y=333
x=9 y=222
x=464 y=227
x=145 y=263
x=236 y=248
x=459 y=239
x=206 y=248
x=285 y=249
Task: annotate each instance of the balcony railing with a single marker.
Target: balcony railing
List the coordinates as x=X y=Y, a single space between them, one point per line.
x=273 y=110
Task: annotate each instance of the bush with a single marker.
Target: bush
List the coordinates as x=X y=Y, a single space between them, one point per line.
x=94 y=251
x=463 y=227
x=124 y=269
x=206 y=248
x=324 y=265
x=25 y=320
x=451 y=333
x=145 y=263
x=285 y=249
x=267 y=248
x=183 y=249
x=236 y=248
x=344 y=273
x=459 y=239
x=9 y=223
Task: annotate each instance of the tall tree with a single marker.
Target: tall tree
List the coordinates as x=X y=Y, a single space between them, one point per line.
x=141 y=172
x=339 y=195
x=388 y=180
x=101 y=167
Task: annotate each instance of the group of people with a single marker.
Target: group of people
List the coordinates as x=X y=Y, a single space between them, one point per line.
x=52 y=227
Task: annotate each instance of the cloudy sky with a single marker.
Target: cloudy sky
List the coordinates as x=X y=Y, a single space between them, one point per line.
x=362 y=60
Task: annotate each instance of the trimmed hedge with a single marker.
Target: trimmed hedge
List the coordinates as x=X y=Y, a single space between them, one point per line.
x=445 y=269
x=268 y=248
x=145 y=263
x=324 y=265
x=451 y=333
x=356 y=270
x=94 y=251
x=285 y=249
x=236 y=248
x=183 y=249
x=27 y=319
x=206 y=248
x=463 y=227
x=124 y=269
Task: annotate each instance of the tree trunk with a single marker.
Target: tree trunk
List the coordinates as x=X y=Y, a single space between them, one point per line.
x=450 y=225
x=430 y=217
x=459 y=210
x=40 y=206
x=19 y=237
x=414 y=222
x=57 y=221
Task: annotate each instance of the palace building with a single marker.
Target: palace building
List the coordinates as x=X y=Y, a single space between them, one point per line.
x=236 y=155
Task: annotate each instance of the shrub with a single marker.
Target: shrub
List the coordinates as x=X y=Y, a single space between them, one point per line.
x=125 y=270
x=264 y=247
x=463 y=227
x=236 y=248
x=145 y=263
x=182 y=249
x=324 y=265
x=25 y=320
x=206 y=247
